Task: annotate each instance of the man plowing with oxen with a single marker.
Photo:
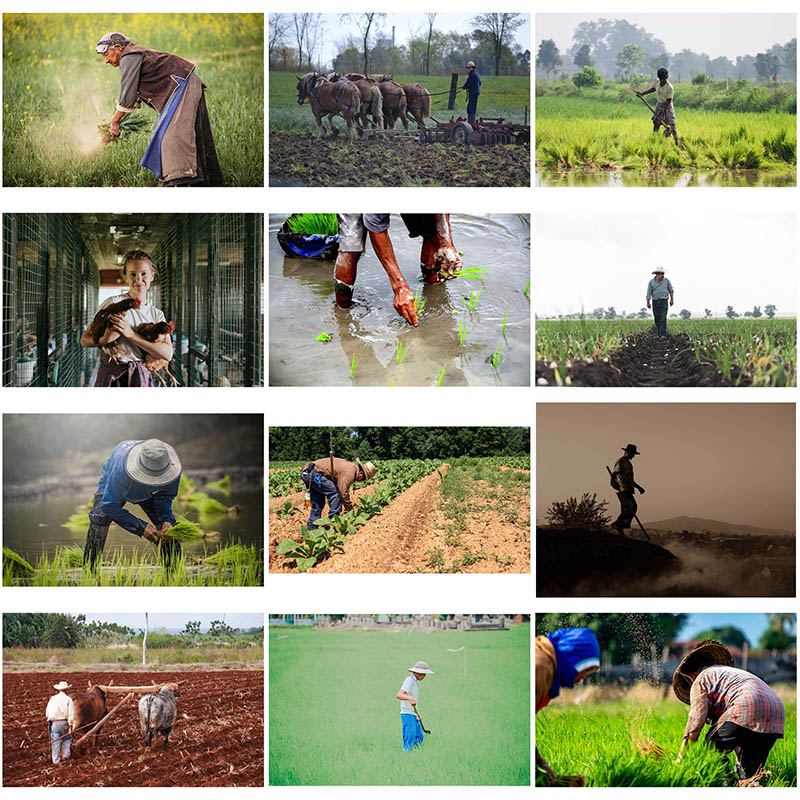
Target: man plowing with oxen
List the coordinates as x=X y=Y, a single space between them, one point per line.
x=439 y=259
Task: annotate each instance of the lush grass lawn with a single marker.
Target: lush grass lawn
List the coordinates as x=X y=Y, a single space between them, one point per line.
x=334 y=719
x=56 y=90
x=506 y=96
x=600 y=741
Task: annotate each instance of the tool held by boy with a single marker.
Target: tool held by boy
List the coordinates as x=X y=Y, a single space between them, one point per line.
x=408 y=695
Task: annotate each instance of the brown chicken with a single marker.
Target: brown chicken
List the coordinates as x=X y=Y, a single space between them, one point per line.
x=157 y=332
x=99 y=324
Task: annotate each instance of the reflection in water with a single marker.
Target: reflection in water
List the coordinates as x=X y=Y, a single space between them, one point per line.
x=301 y=306
x=678 y=177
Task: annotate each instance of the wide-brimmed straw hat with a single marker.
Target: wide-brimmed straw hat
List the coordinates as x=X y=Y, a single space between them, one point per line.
x=470 y=64
x=111 y=39
x=706 y=654
x=631 y=448
x=658 y=270
x=61 y=685
x=153 y=463
x=368 y=468
x=421 y=667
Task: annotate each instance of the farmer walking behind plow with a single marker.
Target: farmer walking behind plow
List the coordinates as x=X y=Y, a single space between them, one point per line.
x=664 y=113
x=408 y=695
x=60 y=719
x=746 y=716
x=624 y=484
x=659 y=290
x=330 y=479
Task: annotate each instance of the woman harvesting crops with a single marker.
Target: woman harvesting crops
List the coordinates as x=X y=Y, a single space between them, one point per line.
x=127 y=364
x=563 y=658
x=181 y=151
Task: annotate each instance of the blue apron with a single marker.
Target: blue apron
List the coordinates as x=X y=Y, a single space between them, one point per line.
x=152 y=156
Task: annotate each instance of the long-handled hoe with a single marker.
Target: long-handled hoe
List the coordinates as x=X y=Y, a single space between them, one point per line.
x=667 y=126
x=421 y=723
x=635 y=516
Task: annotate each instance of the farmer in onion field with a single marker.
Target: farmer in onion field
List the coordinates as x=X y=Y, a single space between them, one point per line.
x=473 y=87
x=60 y=719
x=439 y=259
x=408 y=695
x=563 y=658
x=146 y=473
x=665 y=109
x=745 y=714
x=660 y=292
x=625 y=486
x=181 y=150
x=330 y=479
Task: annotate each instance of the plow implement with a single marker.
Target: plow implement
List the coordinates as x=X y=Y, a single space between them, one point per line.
x=487 y=130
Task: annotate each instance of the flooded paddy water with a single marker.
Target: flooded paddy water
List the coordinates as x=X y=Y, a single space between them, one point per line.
x=708 y=178
x=302 y=306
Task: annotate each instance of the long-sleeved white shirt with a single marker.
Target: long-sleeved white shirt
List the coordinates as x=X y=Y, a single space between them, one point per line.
x=59 y=706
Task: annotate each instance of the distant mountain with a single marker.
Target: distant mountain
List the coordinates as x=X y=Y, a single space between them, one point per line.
x=698 y=524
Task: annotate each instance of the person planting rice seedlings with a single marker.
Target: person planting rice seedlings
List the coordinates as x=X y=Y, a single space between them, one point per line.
x=563 y=658
x=146 y=473
x=659 y=291
x=664 y=112
x=181 y=151
x=408 y=695
x=330 y=479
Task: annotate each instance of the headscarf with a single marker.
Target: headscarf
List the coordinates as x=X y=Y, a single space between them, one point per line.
x=576 y=649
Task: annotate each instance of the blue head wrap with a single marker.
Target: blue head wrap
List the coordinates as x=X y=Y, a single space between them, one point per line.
x=576 y=649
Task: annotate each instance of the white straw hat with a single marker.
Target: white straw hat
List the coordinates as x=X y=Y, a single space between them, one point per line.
x=421 y=667
x=61 y=685
x=659 y=269
x=153 y=463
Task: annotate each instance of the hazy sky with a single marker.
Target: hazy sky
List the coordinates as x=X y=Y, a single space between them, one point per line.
x=733 y=462
x=717 y=35
x=337 y=30
x=753 y=625
x=177 y=621
x=585 y=261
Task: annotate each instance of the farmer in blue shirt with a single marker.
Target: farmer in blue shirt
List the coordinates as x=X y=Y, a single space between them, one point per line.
x=408 y=697
x=473 y=87
x=659 y=290
x=147 y=473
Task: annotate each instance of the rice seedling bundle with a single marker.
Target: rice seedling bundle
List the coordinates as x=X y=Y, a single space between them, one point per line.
x=223 y=486
x=183 y=530
x=313 y=224
x=13 y=562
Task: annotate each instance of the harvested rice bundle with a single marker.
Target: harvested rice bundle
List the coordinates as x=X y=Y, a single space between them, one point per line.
x=313 y=224
x=183 y=530
x=223 y=486
x=132 y=124
x=15 y=563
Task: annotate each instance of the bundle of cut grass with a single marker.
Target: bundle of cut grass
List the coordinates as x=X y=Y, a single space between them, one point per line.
x=313 y=224
x=77 y=522
x=223 y=486
x=129 y=125
x=183 y=530
x=13 y=562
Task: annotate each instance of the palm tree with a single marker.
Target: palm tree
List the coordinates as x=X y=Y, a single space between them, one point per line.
x=781 y=622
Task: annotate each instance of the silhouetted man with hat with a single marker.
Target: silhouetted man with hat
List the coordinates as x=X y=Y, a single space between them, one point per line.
x=622 y=480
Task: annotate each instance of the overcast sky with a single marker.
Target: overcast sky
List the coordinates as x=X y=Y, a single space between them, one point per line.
x=717 y=35
x=177 y=621
x=753 y=625
x=733 y=462
x=585 y=261
x=337 y=30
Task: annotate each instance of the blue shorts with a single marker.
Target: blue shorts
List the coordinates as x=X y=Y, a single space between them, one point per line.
x=412 y=731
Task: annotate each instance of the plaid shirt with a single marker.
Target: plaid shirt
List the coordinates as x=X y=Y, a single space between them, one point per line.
x=725 y=694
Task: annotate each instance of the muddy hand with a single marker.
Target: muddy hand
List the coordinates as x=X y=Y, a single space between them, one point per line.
x=113 y=129
x=151 y=534
x=404 y=304
x=448 y=262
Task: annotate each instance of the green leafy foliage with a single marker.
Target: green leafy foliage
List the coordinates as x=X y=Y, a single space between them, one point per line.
x=287 y=510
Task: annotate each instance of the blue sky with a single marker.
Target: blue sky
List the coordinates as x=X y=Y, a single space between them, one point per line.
x=177 y=621
x=753 y=625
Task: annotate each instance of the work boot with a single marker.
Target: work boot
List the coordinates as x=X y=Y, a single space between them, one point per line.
x=95 y=542
x=618 y=528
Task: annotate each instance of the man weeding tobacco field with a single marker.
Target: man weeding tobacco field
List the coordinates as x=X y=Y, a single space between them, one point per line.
x=563 y=658
x=664 y=112
x=330 y=479
x=662 y=295
x=624 y=484
x=439 y=259
x=745 y=714
x=181 y=151
x=408 y=697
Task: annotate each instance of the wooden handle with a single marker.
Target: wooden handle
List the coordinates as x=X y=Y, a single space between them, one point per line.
x=98 y=725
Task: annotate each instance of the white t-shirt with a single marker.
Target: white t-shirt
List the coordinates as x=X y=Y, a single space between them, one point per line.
x=411 y=687
x=147 y=312
x=59 y=706
x=665 y=92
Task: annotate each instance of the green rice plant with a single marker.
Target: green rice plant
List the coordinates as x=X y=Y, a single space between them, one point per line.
x=208 y=505
x=185 y=487
x=324 y=338
x=76 y=522
x=527 y=288
x=475 y=273
x=402 y=351
x=472 y=304
x=71 y=555
x=313 y=224
x=462 y=334
x=14 y=564
x=419 y=302
x=184 y=530
x=353 y=366
x=497 y=357
x=505 y=321
x=223 y=486
x=441 y=376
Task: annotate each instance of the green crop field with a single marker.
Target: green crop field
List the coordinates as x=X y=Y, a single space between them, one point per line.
x=602 y=741
x=57 y=90
x=334 y=719
x=763 y=350
x=505 y=96
x=747 y=129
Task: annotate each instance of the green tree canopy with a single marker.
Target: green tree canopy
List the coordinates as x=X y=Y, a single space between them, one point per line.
x=548 y=57
x=727 y=634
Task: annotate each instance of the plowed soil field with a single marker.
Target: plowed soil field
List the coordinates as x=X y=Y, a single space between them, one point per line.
x=218 y=739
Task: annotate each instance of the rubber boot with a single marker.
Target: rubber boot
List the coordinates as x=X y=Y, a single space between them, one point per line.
x=95 y=542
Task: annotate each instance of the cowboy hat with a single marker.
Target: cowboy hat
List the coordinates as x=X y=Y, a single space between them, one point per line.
x=153 y=463
x=111 y=39
x=706 y=654
x=470 y=64
x=368 y=468
x=659 y=269
x=422 y=667
x=61 y=685
x=629 y=447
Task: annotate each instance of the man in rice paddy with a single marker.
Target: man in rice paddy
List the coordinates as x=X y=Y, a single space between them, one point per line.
x=181 y=151
x=746 y=716
x=439 y=259
x=665 y=108
x=563 y=658
x=330 y=479
x=624 y=484
x=146 y=473
x=662 y=295
x=473 y=88
x=408 y=695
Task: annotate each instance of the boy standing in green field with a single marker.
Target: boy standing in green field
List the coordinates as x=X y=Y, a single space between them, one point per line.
x=408 y=697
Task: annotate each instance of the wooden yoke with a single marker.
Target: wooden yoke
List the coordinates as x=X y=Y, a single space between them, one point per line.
x=138 y=689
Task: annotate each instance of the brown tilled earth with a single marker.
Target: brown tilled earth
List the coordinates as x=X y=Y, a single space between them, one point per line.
x=218 y=739
x=402 y=537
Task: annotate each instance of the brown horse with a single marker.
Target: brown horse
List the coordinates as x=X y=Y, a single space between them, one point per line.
x=418 y=102
x=329 y=99
x=394 y=100
x=371 y=99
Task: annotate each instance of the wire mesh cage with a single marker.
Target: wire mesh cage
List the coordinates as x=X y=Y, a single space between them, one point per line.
x=210 y=273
